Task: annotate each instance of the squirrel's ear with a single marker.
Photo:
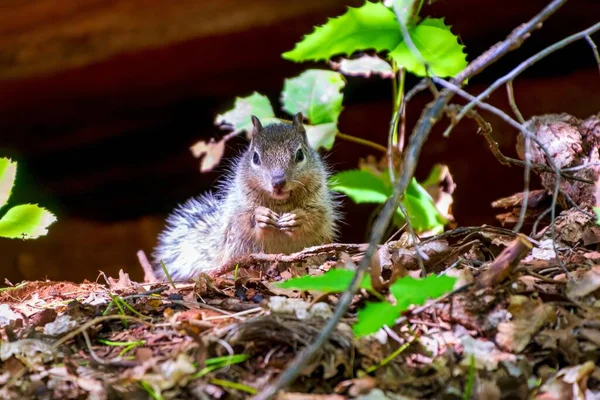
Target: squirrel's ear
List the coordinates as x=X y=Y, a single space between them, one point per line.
x=297 y=121
x=257 y=125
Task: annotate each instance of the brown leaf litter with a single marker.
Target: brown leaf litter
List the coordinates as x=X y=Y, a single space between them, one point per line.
x=524 y=332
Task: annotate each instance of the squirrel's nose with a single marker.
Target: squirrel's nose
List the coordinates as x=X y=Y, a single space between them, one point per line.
x=278 y=182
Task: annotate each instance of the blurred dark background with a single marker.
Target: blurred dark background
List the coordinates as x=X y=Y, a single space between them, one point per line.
x=101 y=100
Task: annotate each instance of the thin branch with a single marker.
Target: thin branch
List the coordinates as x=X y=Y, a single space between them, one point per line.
x=527 y=134
x=485 y=130
x=513 y=104
x=594 y=49
x=430 y=115
x=522 y=67
x=362 y=141
x=527 y=173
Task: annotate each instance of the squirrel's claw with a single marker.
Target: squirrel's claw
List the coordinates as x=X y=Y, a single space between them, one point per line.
x=291 y=220
x=265 y=218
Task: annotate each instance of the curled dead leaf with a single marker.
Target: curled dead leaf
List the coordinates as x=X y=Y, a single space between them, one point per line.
x=589 y=283
x=568 y=384
x=529 y=316
x=211 y=153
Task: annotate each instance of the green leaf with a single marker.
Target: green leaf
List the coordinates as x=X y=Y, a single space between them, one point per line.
x=322 y=135
x=8 y=173
x=333 y=281
x=597 y=210
x=365 y=66
x=372 y=26
x=27 y=221
x=407 y=291
x=438 y=46
x=373 y=317
x=361 y=186
x=238 y=118
x=316 y=94
x=410 y=291
x=421 y=208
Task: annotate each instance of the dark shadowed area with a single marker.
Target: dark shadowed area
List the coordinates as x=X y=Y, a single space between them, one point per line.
x=101 y=100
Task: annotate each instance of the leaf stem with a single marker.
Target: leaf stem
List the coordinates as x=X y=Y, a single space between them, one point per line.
x=362 y=141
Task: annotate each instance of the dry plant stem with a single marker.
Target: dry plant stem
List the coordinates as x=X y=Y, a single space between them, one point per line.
x=149 y=276
x=485 y=130
x=522 y=67
x=534 y=233
x=362 y=141
x=513 y=104
x=429 y=117
x=594 y=49
x=527 y=171
x=527 y=134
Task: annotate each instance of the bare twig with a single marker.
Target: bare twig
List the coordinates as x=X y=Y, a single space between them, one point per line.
x=522 y=67
x=429 y=117
x=362 y=141
x=525 y=133
x=588 y=38
x=149 y=275
x=485 y=130
x=513 y=104
x=527 y=173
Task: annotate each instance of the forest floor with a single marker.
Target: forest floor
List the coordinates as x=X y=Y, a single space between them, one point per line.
x=525 y=325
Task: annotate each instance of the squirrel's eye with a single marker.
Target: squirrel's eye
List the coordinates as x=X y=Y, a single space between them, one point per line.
x=256 y=159
x=299 y=155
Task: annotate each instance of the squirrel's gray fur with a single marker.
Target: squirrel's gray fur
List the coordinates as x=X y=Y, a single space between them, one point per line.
x=208 y=230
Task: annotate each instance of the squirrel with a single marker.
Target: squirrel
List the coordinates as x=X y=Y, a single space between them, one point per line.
x=274 y=199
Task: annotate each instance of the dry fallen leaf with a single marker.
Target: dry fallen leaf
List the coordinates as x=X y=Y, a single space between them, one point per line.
x=569 y=384
x=529 y=315
x=212 y=152
x=583 y=286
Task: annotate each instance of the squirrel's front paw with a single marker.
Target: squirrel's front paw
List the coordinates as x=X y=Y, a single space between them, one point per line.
x=265 y=218
x=289 y=222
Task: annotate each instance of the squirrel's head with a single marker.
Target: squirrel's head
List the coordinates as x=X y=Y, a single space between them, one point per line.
x=280 y=158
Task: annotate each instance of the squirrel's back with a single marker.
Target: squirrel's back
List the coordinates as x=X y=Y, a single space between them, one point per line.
x=275 y=199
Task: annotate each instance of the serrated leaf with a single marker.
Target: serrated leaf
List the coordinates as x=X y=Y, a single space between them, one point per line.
x=371 y=26
x=333 y=281
x=361 y=186
x=8 y=173
x=322 y=135
x=365 y=66
x=27 y=221
x=316 y=94
x=410 y=291
x=373 y=317
x=238 y=118
x=407 y=291
x=438 y=46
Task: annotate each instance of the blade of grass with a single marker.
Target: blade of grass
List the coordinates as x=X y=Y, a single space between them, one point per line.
x=146 y=386
x=234 y=385
x=220 y=362
x=19 y=286
x=164 y=267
